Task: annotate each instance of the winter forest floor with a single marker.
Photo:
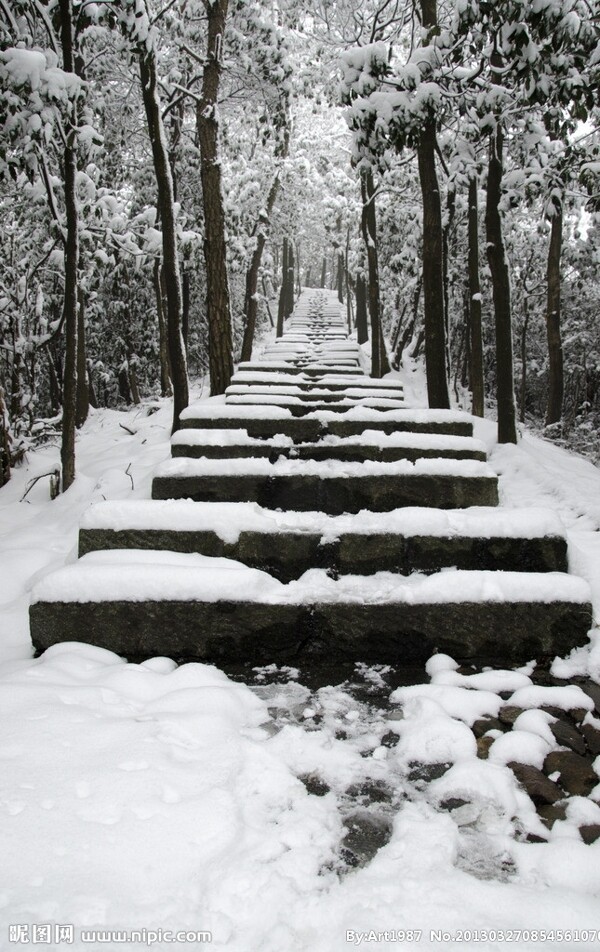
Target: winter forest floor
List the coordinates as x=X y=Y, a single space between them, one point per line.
x=278 y=816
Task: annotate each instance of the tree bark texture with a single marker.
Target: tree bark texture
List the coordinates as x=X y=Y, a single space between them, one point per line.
x=433 y=250
x=220 y=345
x=283 y=289
x=4 y=442
x=69 y=401
x=166 y=208
x=290 y=280
x=163 y=349
x=83 y=386
x=555 y=351
x=507 y=428
x=379 y=362
x=476 y=349
x=362 y=326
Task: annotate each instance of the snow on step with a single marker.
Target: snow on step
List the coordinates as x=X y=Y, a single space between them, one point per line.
x=122 y=575
x=373 y=438
x=193 y=607
x=182 y=468
x=229 y=519
x=285 y=543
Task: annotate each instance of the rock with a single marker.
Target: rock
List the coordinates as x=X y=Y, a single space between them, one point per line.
x=390 y=739
x=590 y=832
x=483 y=746
x=576 y=774
x=592 y=690
x=453 y=803
x=485 y=724
x=568 y=736
x=372 y=791
x=553 y=711
x=592 y=738
x=366 y=834
x=315 y=785
x=427 y=772
x=538 y=786
x=551 y=812
x=508 y=714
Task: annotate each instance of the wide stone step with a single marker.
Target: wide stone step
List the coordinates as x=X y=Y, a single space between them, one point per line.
x=188 y=607
x=284 y=544
x=265 y=422
x=332 y=487
x=307 y=370
x=302 y=382
x=368 y=446
x=313 y=394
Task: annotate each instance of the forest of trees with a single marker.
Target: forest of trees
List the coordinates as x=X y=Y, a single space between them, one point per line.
x=172 y=171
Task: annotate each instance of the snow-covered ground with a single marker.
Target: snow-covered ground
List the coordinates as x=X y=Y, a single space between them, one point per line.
x=153 y=797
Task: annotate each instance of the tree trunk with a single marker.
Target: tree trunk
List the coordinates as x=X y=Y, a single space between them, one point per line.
x=362 y=326
x=340 y=277
x=507 y=428
x=67 y=449
x=4 y=442
x=555 y=351
x=476 y=363
x=324 y=271
x=379 y=362
x=166 y=209
x=163 y=350
x=433 y=271
x=290 y=281
x=220 y=345
x=283 y=289
x=83 y=387
x=524 y=356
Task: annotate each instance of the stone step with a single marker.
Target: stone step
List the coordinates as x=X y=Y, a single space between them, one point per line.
x=266 y=422
x=284 y=544
x=316 y=393
x=368 y=446
x=314 y=369
x=293 y=382
x=333 y=487
x=188 y=607
x=301 y=405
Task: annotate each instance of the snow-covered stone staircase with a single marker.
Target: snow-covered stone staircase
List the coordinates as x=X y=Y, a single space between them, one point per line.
x=358 y=528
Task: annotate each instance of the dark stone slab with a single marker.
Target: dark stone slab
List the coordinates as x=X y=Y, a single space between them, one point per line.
x=589 y=833
x=287 y=555
x=576 y=774
x=592 y=690
x=399 y=634
x=509 y=713
x=568 y=736
x=311 y=429
x=552 y=813
x=354 y=453
x=483 y=747
x=481 y=726
x=306 y=493
x=591 y=736
x=537 y=785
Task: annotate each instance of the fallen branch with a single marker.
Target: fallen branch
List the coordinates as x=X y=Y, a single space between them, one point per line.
x=54 y=482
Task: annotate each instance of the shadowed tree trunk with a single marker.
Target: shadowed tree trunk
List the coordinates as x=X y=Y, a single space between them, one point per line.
x=555 y=351
x=69 y=400
x=251 y=296
x=83 y=384
x=290 y=280
x=324 y=271
x=220 y=346
x=362 y=326
x=507 y=427
x=166 y=209
x=283 y=289
x=433 y=253
x=476 y=362
x=4 y=442
x=379 y=362
x=163 y=351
